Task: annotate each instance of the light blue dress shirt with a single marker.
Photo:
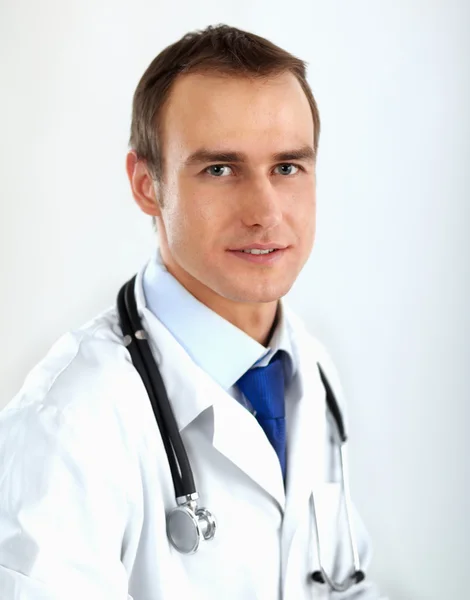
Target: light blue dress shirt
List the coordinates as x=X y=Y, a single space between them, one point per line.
x=222 y=350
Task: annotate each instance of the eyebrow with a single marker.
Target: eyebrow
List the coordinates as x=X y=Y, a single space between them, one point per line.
x=205 y=155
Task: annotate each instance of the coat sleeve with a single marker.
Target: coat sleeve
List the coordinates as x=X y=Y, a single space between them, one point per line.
x=62 y=515
x=366 y=590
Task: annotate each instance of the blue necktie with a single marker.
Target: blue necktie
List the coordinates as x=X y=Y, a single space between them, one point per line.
x=264 y=388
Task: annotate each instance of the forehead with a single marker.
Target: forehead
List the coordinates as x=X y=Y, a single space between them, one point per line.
x=245 y=114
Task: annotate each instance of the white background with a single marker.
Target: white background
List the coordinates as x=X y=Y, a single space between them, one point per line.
x=388 y=286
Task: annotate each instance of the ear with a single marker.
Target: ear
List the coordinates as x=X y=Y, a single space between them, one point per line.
x=142 y=185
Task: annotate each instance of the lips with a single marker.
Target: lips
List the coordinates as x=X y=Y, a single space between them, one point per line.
x=268 y=246
x=268 y=258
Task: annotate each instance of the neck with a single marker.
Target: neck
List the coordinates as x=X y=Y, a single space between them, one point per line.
x=256 y=320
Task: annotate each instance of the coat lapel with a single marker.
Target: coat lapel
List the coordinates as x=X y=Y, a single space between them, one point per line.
x=240 y=438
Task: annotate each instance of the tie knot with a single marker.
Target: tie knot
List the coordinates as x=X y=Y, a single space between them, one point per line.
x=264 y=388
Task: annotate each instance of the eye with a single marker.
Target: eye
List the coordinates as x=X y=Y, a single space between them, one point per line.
x=287 y=168
x=217 y=170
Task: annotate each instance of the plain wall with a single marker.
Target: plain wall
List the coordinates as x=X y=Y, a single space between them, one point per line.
x=387 y=288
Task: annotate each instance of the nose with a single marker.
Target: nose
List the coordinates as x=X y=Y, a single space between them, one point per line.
x=262 y=205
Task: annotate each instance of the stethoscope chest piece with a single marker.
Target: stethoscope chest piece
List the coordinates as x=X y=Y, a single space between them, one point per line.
x=188 y=525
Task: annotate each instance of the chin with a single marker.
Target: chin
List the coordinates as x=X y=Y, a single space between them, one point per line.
x=258 y=293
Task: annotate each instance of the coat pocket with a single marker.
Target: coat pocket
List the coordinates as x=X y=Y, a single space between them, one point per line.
x=327 y=499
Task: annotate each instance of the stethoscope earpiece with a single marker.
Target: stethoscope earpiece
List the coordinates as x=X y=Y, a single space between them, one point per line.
x=318 y=577
x=322 y=578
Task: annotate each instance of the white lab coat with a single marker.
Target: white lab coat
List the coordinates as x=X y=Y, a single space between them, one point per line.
x=85 y=483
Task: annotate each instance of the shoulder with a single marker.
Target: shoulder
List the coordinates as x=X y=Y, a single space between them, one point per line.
x=71 y=428
x=304 y=339
x=312 y=351
x=84 y=369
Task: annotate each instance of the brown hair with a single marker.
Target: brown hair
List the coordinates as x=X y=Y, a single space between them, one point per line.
x=220 y=49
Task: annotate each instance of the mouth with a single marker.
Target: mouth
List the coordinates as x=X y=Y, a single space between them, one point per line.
x=263 y=247
x=264 y=254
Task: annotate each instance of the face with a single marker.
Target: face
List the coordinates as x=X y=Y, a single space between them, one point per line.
x=239 y=173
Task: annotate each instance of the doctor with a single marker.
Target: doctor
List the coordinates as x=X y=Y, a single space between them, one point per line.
x=224 y=142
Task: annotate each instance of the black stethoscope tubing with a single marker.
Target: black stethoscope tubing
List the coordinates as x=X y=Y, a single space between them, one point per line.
x=141 y=354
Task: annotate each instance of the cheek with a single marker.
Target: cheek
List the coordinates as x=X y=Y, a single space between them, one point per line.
x=206 y=209
x=302 y=215
x=192 y=216
x=312 y=222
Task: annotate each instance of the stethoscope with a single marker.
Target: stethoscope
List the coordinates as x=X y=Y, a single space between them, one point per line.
x=188 y=524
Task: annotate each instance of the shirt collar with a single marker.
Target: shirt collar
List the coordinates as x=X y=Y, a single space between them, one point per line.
x=218 y=347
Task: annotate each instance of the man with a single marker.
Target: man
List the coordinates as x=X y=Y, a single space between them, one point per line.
x=224 y=143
